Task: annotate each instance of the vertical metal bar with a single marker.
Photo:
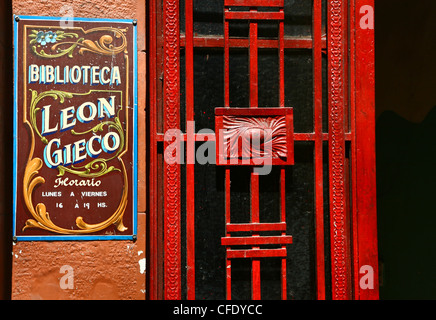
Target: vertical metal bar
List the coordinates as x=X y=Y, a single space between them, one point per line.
x=348 y=225
x=190 y=174
x=152 y=203
x=226 y=64
x=172 y=260
x=346 y=64
x=365 y=200
x=253 y=53
x=352 y=104
x=228 y=278
x=281 y=62
x=346 y=91
x=318 y=152
x=255 y=268
x=282 y=169
x=228 y=261
x=283 y=219
x=160 y=249
x=337 y=68
x=284 y=286
x=253 y=57
x=227 y=169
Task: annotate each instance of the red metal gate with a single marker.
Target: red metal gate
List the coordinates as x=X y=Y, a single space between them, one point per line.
x=352 y=250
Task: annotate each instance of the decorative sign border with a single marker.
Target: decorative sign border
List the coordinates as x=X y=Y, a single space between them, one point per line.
x=31 y=180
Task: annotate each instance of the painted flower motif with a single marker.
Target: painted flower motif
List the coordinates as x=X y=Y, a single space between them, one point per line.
x=40 y=36
x=46 y=37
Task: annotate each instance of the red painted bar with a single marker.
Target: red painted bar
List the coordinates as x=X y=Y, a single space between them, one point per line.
x=353 y=173
x=282 y=198
x=226 y=65
x=259 y=240
x=284 y=293
x=255 y=269
x=283 y=221
x=238 y=227
x=172 y=203
x=228 y=261
x=152 y=267
x=298 y=136
x=227 y=182
x=160 y=249
x=256 y=253
x=190 y=174
x=253 y=66
x=253 y=53
x=254 y=3
x=227 y=178
x=281 y=63
x=337 y=93
x=282 y=169
x=218 y=42
x=254 y=112
x=365 y=201
x=248 y=15
x=318 y=152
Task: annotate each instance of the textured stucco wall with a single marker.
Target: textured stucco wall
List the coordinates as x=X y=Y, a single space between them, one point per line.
x=100 y=269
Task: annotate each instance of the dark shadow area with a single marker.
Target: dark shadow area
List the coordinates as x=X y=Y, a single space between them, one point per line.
x=406 y=185
x=406 y=154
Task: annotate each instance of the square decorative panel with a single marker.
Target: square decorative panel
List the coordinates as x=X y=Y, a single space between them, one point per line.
x=254 y=136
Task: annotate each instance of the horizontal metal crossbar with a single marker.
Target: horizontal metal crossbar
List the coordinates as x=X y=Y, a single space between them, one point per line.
x=254 y=3
x=234 y=241
x=253 y=111
x=218 y=42
x=211 y=136
x=235 y=227
x=256 y=253
x=253 y=15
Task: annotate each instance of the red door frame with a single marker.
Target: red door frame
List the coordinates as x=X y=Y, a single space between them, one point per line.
x=362 y=75
x=350 y=49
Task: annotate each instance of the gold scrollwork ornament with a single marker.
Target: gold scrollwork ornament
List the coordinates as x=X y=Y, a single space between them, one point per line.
x=104 y=45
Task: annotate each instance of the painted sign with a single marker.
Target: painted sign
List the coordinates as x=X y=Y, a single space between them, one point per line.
x=75 y=129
